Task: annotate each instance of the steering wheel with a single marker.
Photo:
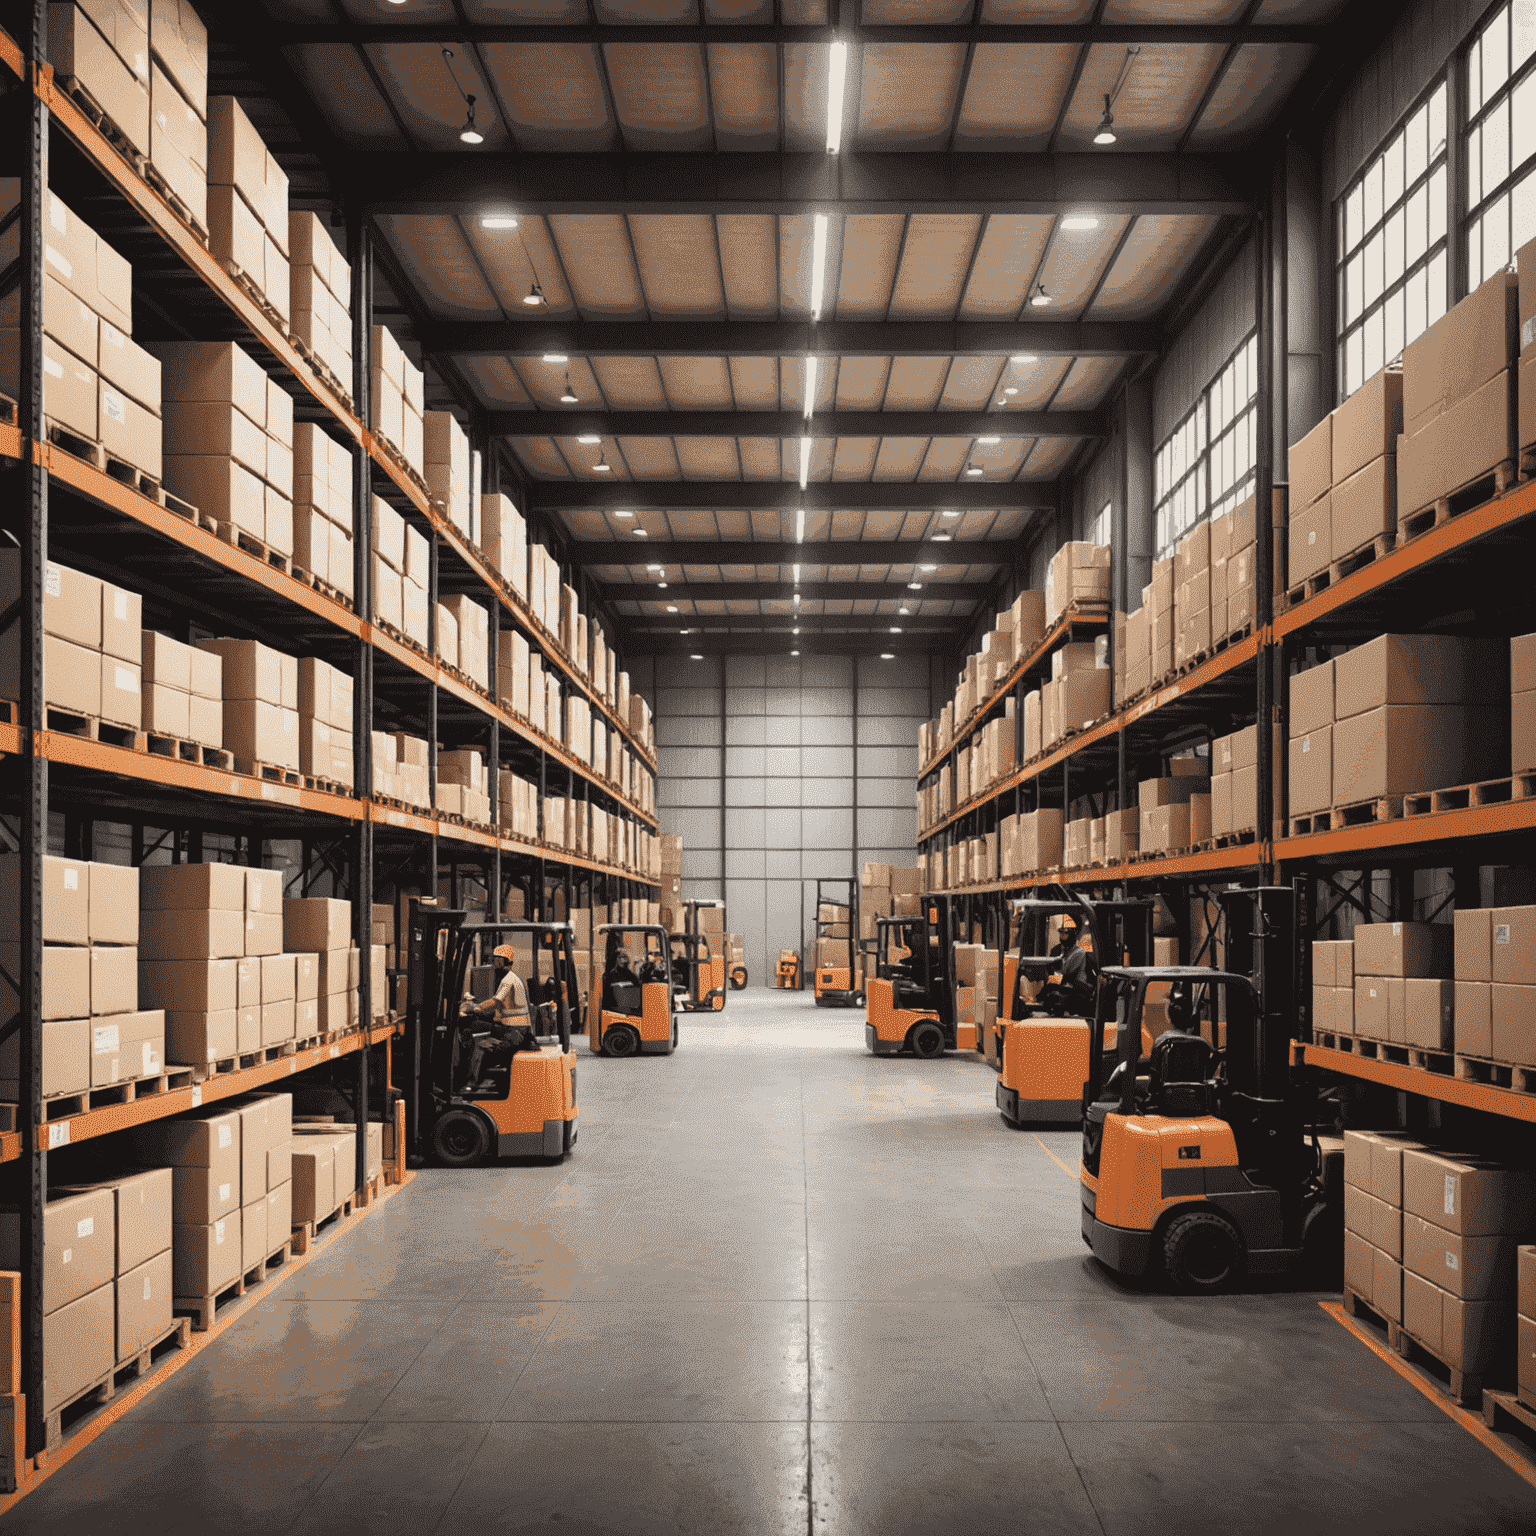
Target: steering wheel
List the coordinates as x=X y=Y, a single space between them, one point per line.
x=653 y=970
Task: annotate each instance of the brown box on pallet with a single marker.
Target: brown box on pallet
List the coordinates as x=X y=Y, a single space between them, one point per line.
x=197 y=1036
x=1379 y=1008
x=1466 y=1195
x=314 y=1179
x=122 y=700
x=254 y=1246
x=1474 y=1018
x=66 y=900
x=1311 y=465
x=1309 y=540
x=141 y=1204
x=78 y=1345
x=1419 y=669
x=71 y=676
x=178 y=143
x=1403 y=949
x=1363 y=507
x=1311 y=771
x=237 y=157
x=66 y=1059
x=1367 y=425
x=192 y=887
x=76 y=49
x=219 y=487
x=79 y=1245
x=1429 y=1011
x=127 y=1045
x=206 y=1258
x=1464 y=442
x=1513 y=1023
x=143 y=1302
x=1472 y=1268
x=1404 y=748
x=1310 y=700
x=191 y=935
x=1514 y=945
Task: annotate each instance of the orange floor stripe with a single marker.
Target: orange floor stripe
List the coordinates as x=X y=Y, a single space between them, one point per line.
x=1470 y=1422
x=1070 y=1172
x=38 y=1469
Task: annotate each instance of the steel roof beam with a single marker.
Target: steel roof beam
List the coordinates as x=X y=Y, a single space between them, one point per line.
x=1010 y=425
x=781 y=591
x=765 y=495
x=676 y=552
x=1109 y=184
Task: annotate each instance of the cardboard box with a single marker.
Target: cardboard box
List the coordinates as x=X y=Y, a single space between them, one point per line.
x=1514 y=934
x=1512 y=1017
x=66 y=980
x=191 y=935
x=78 y=1339
x=66 y=900
x=192 y=887
x=1311 y=700
x=1403 y=949
x=1462 y=351
x=1473 y=944
x=141 y=1203
x=315 y=924
x=1458 y=446
x=1465 y=1196
x=1430 y=1013
x=76 y=49
x=206 y=1258
x=237 y=157
x=114 y=978
x=199 y=1036
x=142 y=1301
x=1367 y=425
x=1474 y=1018
x=66 y=1059
x=79 y=1245
x=1418 y=669
x=1363 y=507
x=1404 y=748
x=1472 y=1268
x=1311 y=465
x=1311 y=771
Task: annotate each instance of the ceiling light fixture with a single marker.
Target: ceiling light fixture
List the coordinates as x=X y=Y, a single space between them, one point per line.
x=671 y=607
x=1039 y=298
x=810 y=386
x=685 y=631
x=938 y=538
x=535 y=295
x=602 y=467
x=904 y=610
x=974 y=469
x=696 y=657
x=468 y=134
x=805 y=460
x=917 y=586
x=949 y=512
x=642 y=533
x=837 y=79
x=887 y=656
x=927 y=569
x=794 y=653
x=1077 y=221
x=652 y=567
x=624 y=514
x=556 y=357
x=1106 y=133
x=795 y=630
x=797 y=575
x=1012 y=389
x=661 y=586
x=498 y=221
x=591 y=439
x=818 y=264
x=1024 y=357
x=799 y=525
x=987 y=442
x=569 y=397
x=895 y=630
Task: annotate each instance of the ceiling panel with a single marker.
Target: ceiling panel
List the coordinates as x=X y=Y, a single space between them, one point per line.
x=431 y=249
x=907 y=98
x=1039 y=10
x=1035 y=381
x=795 y=253
x=337 y=81
x=1049 y=458
x=1253 y=90
x=805 y=96
x=945 y=458
x=871 y=243
x=734 y=525
x=1013 y=95
x=679 y=265
x=861 y=383
x=540 y=458
x=744 y=88
x=916 y=383
x=584 y=458
x=1087 y=383
x=631 y=383
x=1076 y=261
x=755 y=383
x=1213 y=12
x=694 y=525
x=970 y=383
x=495 y=380
x=845 y=525
x=760 y=458
x=912 y=12
x=855 y=458
x=1011 y=247
x=708 y=458
x=696 y=383
x=555 y=95
x=661 y=95
x=641 y=12
x=427 y=100
x=595 y=251
x=749 y=257
x=1150 y=267
x=934 y=262
x=1153 y=108
x=648 y=458
x=900 y=458
x=739 y=10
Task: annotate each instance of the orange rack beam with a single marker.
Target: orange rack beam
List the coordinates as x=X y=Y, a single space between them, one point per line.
x=1430 y=1085
x=1471 y=821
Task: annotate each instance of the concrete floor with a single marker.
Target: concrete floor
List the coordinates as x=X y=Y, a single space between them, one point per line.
x=780 y=1286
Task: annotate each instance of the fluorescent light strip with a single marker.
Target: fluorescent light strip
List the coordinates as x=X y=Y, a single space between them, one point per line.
x=805 y=460
x=810 y=386
x=837 y=80
x=797 y=575
x=800 y=525
x=818 y=264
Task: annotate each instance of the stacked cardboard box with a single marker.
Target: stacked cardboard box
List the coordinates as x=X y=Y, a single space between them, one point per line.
x=266 y=1175
x=1333 y=986
x=261 y=702
x=178 y=101
x=447 y=468
x=183 y=690
x=1078 y=572
x=518 y=804
x=1157 y=600
x=322 y=927
x=1175 y=811
x=395 y=398
x=1192 y=594
x=1310 y=751
x=1459 y=417
x=104 y=50
x=1403 y=969
x=1310 y=530
x=504 y=538
x=1525 y=434
x=325 y=1164
x=325 y=721
x=1373 y=1218
x=1525 y=1319
x=1495 y=984
x=1363 y=497
x=671 y=856
x=388 y=550
x=1522 y=691
x=94 y=1031
x=400 y=767
x=1077 y=695
x=463 y=785
x=321 y=285
x=322 y=507
x=976 y=982
x=1235 y=782
x=229 y=439
x=247 y=203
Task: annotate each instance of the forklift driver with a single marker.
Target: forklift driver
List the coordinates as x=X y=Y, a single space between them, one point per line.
x=1074 y=996
x=511 y=1027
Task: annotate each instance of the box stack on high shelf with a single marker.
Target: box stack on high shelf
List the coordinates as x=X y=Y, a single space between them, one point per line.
x=885 y=890
x=198 y=648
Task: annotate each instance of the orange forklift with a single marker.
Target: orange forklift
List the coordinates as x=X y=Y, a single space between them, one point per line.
x=911 y=999
x=493 y=1075
x=837 y=983
x=698 y=973
x=634 y=1010
x=1042 y=1047
x=1202 y=1161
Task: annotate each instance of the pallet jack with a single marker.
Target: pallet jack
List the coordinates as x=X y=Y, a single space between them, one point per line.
x=1041 y=1058
x=525 y=1103
x=837 y=986
x=698 y=973
x=911 y=998
x=633 y=1010
x=1197 y=1161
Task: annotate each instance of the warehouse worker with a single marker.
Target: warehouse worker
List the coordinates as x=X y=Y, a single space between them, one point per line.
x=1075 y=995
x=511 y=1027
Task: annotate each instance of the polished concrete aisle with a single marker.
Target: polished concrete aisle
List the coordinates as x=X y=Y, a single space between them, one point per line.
x=780 y=1286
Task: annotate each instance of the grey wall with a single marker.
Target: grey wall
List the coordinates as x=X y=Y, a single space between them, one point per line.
x=777 y=754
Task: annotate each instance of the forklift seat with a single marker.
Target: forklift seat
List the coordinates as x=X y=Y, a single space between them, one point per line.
x=625 y=997
x=1179 y=1073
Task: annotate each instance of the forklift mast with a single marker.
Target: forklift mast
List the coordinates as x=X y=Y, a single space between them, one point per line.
x=852 y=905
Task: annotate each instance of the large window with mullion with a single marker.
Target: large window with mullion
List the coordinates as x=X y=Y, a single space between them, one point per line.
x=1501 y=140
x=1391 y=245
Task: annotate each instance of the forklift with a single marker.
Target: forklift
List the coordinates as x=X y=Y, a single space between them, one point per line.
x=1040 y=1057
x=698 y=973
x=525 y=1103
x=837 y=984
x=911 y=1000
x=1203 y=1160
x=633 y=1011
x=789 y=970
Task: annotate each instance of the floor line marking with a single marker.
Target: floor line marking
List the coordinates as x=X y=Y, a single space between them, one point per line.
x=1070 y=1172
x=1470 y=1422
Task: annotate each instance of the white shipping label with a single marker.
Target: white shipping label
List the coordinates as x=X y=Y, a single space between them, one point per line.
x=119 y=604
x=1450 y=1259
x=112 y=404
x=218 y=1231
x=255 y=894
x=60 y=260
x=1306 y=745
x=116 y=1072
x=197 y=1094
x=1311 y=538
x=113 y=338
x=58 y=1135
x=1450 y=1194
x=1528 y=333
x=151 y=1058
x=67 y=1255
x=127 y=680
x=226 y=1136
x=106 y=1037
x=86 y=1227
x=71 y=879
x=1501 y=933
x=52 y=369
x=58 y=214
x=223 y=1192
x=146 y=1287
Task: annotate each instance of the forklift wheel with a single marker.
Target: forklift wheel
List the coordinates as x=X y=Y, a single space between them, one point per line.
x=460 y=1139
x=738 y=978
x=927 y=1041
x=1202 y=1253
x=620 y=1040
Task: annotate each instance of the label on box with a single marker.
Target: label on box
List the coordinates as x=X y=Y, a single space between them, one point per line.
x=226 y=1137
x=1501 y=933
x=120 y=605
x=62 y=262
x=58 y=1135
x=1450 y=1186
x=218 y=1231
x=223 y=1193
x=1311 y=538
x=86 y=1227
x=211 y=1054
x=1397 y=930
x=106 y=1037
x=127 y=680
x=112 y=404
x=57 y=216
x=68 y=1254
x=71 y=879
x=52 y=368
x=52 y=580
x=151 y=1059
x=146 y=1287
x=1306 y=746
x=197 y=1096
x=1528 y=333
x=1450 y=1259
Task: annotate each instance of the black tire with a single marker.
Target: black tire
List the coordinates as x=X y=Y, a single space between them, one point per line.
x=460 y=1139
x=926 y=1040
x=621 y=1040
x=738 y=978
x=1202 y=1253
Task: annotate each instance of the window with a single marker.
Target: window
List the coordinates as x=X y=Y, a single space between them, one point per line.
x=1206 y=466
x=1501 y=140
x=1099 y=528
x=1392 y=248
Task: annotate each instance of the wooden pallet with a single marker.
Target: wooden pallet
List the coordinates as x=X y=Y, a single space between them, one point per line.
x=1235 y=839
x=181 y=209
x=104 y=1388
x=323 y=587
x=1346 y=565
x=98 y=457
x=1496 y=1074
x=307 y=1233
x=232 y=533
x=1233 y=637
x=204 y=1309
x=202 y=1071
x=1463 y=1387
x=8 y=411
x=1364 y=813
x=274 y=773
x=267 y=1054
x=133 y=1367
x=160 y=745
x=326 y=786
x=401 y=638
x=1305 y=826
x=1528 y=462
x=247 y=283
x=100 y=119
x=1488 y=485
x=1520 y=786
x=1363 y=1309
x=1498 y=1406
x=90 y=728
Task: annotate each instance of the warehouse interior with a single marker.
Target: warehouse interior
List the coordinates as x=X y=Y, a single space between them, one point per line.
x=768 y=765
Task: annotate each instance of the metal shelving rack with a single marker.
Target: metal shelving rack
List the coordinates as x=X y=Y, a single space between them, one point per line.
x=60 y=501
